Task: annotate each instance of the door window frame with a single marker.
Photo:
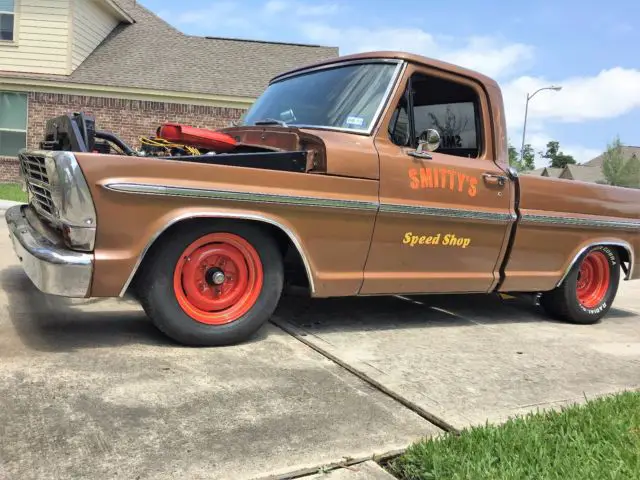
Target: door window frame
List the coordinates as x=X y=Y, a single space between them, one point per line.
x=487 y=148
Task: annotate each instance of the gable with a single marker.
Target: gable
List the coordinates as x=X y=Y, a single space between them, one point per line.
x=40 y=37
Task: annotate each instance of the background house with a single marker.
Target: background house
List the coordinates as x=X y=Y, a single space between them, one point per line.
x=590 y=171
x=132 y=70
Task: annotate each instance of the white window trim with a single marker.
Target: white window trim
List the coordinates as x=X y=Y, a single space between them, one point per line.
x=26 y=129
x=16 y=9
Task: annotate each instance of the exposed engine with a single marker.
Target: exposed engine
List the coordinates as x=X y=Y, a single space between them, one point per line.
x=77 y=132
x=277 y=150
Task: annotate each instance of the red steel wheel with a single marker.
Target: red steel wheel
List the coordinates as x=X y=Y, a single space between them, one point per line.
x=593 y=279
x=218 y=278
x=588 y=290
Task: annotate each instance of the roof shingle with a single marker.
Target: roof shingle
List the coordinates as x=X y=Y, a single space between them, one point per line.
x=627 y=153
x=585 y=173
x=151 y=54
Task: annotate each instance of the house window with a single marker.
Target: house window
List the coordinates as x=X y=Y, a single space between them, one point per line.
x=7 y=20
x=13 y=123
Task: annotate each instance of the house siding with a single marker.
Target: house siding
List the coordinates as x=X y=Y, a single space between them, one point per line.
x=129 y=119
x=91 y=25
x=42 y=34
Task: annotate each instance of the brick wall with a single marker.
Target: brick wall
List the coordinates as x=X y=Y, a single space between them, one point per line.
x=129 y=119
x=8 y=170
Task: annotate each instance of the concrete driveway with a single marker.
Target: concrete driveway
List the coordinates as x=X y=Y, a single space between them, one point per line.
x=90 y=389
x=464 y=360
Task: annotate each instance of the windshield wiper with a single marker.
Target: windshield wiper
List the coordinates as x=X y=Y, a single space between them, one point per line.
x=270 y=121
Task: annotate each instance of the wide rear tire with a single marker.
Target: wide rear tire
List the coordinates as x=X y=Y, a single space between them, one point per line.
x=212 y=284
x=588 y=291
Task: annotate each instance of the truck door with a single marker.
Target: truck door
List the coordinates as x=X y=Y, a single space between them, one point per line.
x=444 y=215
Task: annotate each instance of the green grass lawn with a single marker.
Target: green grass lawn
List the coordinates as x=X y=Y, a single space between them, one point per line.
x=13 y=192
x=599 y=440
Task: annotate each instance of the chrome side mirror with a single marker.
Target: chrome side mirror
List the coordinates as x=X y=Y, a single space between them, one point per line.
x=428 y=141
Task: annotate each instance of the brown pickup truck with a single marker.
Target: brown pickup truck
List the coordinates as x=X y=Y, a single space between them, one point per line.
x=383 y=173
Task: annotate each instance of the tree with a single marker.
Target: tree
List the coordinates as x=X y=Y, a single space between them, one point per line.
x=557 y=159
x=514 y=158
x=528 y=158
x=620 y=171
x=527 y=162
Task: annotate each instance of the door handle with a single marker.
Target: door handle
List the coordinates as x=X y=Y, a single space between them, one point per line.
x=494 y=179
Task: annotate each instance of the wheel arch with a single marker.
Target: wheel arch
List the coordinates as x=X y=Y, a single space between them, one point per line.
x=623 y=248
x=285 y=236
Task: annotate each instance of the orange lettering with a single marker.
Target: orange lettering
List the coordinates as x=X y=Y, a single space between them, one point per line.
x=443 y=173
x=413 y=176
x=438 y=177
x=426 y=178
x=461 y=179
x=452 y=177
x=472 y=187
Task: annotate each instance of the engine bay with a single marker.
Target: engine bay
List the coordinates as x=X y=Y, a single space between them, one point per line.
x=253 y=147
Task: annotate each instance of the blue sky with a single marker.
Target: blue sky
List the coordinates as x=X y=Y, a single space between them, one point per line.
x=588 y=47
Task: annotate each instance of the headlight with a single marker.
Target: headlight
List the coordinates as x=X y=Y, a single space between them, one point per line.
x=72 y=202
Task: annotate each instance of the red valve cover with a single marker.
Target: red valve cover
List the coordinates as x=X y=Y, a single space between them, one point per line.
x=196 y=137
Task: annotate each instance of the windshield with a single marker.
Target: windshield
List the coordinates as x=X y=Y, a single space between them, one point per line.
x=346 y=97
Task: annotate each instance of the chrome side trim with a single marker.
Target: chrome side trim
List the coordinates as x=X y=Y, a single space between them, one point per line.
x=534 y=218
x=163 y=190
x=212 y=194
x=52 y=268
x=616 y=243
x=447 y=212
x=221 y=214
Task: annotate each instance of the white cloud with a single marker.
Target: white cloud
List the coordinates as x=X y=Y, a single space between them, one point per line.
x=275 y=6
x=491 y=57
x=300 y=9
x=234 y=14
x=485 y=54
x=608 y=94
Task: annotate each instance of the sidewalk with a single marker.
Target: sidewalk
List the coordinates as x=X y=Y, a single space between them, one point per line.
x=5 y=204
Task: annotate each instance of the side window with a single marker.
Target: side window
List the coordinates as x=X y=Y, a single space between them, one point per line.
x=448 y=107
x=7 y=20
x=13 y=123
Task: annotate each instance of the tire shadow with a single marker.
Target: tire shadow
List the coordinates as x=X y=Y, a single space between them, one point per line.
x=58 y=324
x=353 y=314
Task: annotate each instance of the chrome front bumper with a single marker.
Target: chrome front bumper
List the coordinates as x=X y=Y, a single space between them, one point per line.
x=52 y=267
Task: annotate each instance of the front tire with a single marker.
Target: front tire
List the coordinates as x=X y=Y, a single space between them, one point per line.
x=588 y=291
x=212 y=284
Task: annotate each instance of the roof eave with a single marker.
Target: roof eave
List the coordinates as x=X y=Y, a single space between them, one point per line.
x=119 y=12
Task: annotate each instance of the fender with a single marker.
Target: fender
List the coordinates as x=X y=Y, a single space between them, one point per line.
x=175 y=217
x=605 y=241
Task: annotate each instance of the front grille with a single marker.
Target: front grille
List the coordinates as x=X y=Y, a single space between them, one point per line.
x=34 y=172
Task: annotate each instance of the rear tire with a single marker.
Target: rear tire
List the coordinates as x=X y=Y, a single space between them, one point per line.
x=588 y=291
x=212 y=284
